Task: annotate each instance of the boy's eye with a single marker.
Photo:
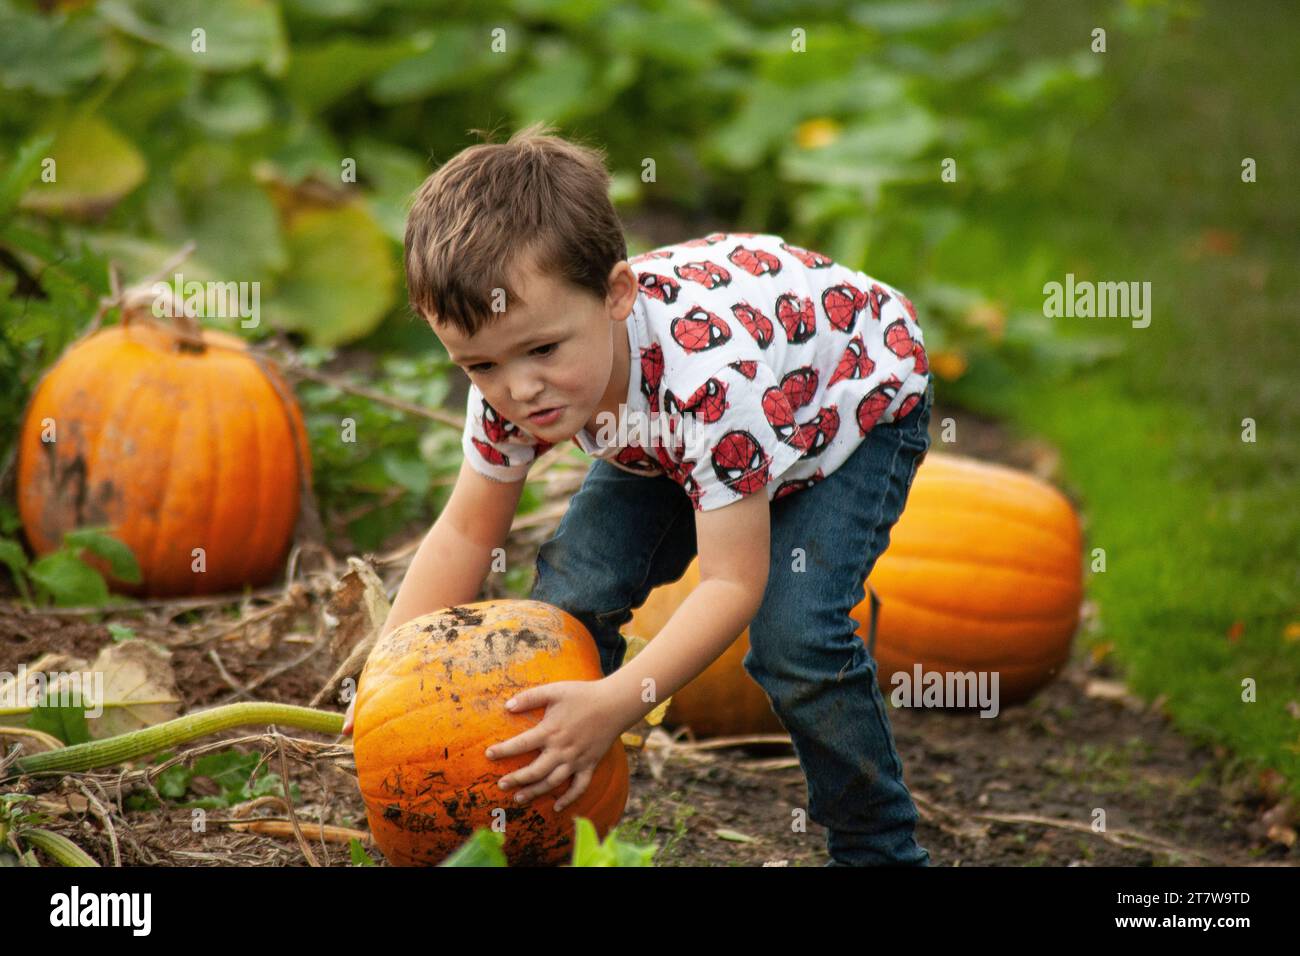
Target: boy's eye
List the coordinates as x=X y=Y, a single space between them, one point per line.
x=541 y=349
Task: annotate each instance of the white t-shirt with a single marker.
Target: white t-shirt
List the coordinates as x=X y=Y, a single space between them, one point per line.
x=755 y=364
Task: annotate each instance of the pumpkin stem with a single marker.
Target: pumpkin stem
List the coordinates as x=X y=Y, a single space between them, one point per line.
x=137 y=305
x=139 y=743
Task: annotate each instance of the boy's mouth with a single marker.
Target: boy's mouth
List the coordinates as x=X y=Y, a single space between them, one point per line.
x=546 y=415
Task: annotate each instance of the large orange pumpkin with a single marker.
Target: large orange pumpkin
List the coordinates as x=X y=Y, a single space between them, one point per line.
x=431 y=700
x=177 y=443
x=983 y=572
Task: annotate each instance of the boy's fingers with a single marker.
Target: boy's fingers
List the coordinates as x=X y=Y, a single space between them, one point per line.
x=521 y=744
x=535 y=771
x=580 y=783
x=553 y=780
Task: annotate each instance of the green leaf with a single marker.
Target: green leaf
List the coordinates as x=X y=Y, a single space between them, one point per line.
x=237 y=34
x=23 y=171
x=94 y=167
x=682 y=34
x=556 y=87
x=69 y=581
x=393 y=174
x=120 y=632
x=340 y=279
x=358 y=853
x=319 y=74
x=14 y=558
x=174 y=782
x=484 y=848
x=589 y=851
x=408 y=471
x=460 y=57
x=67 y=722
x=908 y=16
x=121 y=560
x=230 y=106
x=230 y=218
x=48 y=54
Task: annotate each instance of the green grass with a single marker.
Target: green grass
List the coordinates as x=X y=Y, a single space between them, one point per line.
x=1200 y=529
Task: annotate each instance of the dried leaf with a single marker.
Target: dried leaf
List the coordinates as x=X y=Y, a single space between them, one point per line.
x=1282 y=834
x=733 y=836
x=135 y=670
x=359 y=603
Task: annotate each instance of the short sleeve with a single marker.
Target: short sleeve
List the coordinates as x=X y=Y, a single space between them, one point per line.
x=494 y=446
x=738 y=435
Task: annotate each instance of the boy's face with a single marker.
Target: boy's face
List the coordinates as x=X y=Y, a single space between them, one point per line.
x=556 y=349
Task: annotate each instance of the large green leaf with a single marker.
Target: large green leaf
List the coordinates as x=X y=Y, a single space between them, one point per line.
x=685 y=34
x=211 y=200
x=321 y=73
x=460 y=56
x=340 y=278
x=22 y=171
x=237 y=34
x=94 y=167
x=555 y=87
x=69 y=581
x=392 y=175
x=230 y=106
x=49 y=55
x=99 y=541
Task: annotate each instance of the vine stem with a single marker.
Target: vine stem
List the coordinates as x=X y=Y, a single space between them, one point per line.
x=139 y=743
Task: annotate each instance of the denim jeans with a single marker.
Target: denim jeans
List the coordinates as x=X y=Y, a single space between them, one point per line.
x=625 y=534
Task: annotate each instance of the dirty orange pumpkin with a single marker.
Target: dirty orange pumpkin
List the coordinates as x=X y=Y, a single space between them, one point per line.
x=175 y=442
x=431 y=700
x=982 y=572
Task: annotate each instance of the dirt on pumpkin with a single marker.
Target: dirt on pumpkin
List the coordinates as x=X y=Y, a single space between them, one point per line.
x=1019 y=789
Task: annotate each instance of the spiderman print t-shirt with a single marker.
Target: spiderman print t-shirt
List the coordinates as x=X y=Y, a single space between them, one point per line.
x=755 y=365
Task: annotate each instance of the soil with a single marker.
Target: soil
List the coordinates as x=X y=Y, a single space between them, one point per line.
x=1021 y=789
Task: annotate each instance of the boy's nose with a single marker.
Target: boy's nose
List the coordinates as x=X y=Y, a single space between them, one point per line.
x=526 y=393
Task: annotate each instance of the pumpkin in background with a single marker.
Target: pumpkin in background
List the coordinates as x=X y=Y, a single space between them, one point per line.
x=177 y=439
x=723 y=701
x=983 y=572
x=431 y=700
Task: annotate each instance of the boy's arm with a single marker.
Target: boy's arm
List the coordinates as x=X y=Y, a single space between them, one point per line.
x=733 y=544
x=456 y=554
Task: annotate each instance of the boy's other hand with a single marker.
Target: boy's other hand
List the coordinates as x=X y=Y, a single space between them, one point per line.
x=577 y=730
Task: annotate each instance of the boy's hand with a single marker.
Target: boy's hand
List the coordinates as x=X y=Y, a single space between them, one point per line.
x=579 y=726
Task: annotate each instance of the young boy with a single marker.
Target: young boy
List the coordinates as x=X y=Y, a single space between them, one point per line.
x=746 y=399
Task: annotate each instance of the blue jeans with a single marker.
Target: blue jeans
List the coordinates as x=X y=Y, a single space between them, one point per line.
x=625 y=534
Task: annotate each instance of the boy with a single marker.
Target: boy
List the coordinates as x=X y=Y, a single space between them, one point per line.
x=745 y=399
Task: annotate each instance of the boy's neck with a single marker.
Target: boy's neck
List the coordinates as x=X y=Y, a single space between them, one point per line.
x=616 y=392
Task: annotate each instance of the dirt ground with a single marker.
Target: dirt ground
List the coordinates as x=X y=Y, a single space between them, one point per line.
x=1020 y=789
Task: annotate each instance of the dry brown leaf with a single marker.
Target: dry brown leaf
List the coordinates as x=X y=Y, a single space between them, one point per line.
x=134 y=670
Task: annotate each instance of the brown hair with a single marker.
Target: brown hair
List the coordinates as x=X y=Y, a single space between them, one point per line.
x=477 y=218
